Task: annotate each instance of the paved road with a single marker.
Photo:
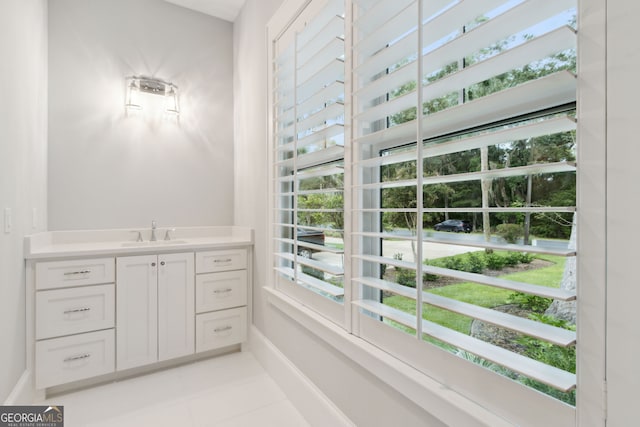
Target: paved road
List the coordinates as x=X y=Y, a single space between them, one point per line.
x=429 y=250
x=392 y=247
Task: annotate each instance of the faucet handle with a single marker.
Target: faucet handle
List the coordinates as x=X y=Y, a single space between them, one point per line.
x=167 y=236
x=139 y=238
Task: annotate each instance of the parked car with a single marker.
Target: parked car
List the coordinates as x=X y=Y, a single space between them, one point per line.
x=456 y=225
x=309 y=236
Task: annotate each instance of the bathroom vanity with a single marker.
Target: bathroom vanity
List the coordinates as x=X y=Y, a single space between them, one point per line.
x=107 y=304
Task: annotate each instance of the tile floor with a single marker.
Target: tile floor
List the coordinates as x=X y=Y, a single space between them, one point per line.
x=227 y=391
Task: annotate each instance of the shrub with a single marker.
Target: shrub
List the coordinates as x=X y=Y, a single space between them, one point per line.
x=313 y=272
x=560 y=357
x=475 y=262
x=530 y=302
x=430 y=277
x=427 y=277
x=454 y=263
x=526 y=258
x=512 y=258
x=406 y=277
x=510 y=232
x=494 y=261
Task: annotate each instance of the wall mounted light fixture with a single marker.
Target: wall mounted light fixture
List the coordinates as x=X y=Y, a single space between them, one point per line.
x=137 y=86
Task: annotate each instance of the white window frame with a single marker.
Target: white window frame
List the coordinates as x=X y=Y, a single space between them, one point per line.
x=298 y=13
x=591 y=399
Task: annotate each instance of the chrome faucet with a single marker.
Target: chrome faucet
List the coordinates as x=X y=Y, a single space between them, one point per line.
x=153 y=232
x=167 y=235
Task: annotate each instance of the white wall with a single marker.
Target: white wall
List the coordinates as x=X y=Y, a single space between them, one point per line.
x=23 y=132
x=251 y=166
x=107 y=170
x=623 y=207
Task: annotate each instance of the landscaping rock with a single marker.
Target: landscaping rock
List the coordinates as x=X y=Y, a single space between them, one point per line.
x=498 y=336
x=566 y=310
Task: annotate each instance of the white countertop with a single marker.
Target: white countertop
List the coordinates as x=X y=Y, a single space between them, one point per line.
x=59 y=244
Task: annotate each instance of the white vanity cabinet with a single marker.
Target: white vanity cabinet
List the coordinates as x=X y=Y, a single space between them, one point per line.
x=221 y=298
x=155 y=308
x=74 y=324
x=101 y=306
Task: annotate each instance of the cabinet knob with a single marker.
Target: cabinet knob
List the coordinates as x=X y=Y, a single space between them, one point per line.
x=161 y=262
x=153 y=264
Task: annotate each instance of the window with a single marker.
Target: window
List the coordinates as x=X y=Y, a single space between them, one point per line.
x=309 y=159
x=448 y=204
x=488 y=89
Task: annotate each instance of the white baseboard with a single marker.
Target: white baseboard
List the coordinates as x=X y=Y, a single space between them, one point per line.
x=314 y=406
x=23 y=392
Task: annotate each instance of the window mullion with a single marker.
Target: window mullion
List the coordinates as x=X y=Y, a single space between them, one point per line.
x=295 y=182
x=419 y=173
x=348 y=172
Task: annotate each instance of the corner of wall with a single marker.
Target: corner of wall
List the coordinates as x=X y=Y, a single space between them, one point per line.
x=306 y=397
x=23 y=392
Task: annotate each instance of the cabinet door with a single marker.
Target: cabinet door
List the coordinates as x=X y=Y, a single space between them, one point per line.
x=176 y=305
x=136 y=311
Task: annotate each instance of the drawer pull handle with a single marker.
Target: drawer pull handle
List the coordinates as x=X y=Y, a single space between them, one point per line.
x=222 y=291
x=223 y=329
x=73 y=273
x=77 y=310
x=79 y=357
x=222 y=260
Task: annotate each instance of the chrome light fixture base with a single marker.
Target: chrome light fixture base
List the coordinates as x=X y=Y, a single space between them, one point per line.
x=136 y=85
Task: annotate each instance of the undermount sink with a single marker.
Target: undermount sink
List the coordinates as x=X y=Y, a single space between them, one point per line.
x=154 y=243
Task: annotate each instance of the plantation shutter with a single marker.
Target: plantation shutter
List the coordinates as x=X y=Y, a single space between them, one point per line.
x=461 y=110
x=309 y=158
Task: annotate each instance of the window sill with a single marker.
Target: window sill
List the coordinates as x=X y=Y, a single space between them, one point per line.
x=435 y=398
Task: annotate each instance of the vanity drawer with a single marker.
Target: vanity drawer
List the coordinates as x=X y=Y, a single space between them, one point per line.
x=217 y=291
x=60 y=274
x=221 y=328
x=74 y=310
x=224 y=260
x=67 y=359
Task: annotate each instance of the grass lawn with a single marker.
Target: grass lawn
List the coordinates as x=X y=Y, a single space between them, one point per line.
x=335 y=245
x=549 y=276
x=482 y=295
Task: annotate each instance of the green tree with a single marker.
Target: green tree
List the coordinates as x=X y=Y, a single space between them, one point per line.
x=322 y=202
x=548 y=190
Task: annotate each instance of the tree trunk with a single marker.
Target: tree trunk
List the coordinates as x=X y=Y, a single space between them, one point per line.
x=446 y=205
x=527 y=215
x=486 y=185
